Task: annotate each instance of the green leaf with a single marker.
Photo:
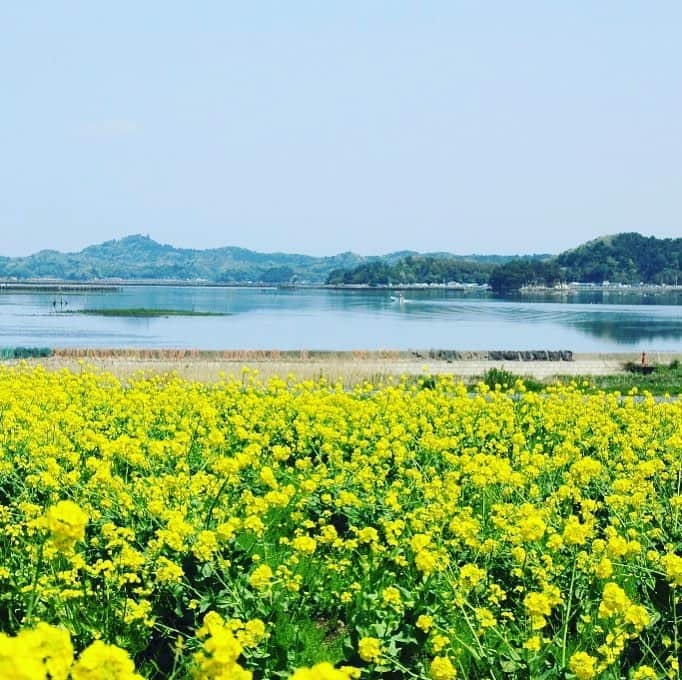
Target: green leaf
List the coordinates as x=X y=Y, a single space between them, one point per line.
x=510 y=666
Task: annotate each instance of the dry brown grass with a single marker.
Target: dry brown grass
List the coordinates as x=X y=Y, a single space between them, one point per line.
x=351 y=367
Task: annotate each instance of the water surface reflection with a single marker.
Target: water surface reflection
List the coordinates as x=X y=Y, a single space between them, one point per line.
x=334 y=319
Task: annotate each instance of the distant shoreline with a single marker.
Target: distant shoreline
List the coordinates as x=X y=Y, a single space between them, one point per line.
x=114 y=285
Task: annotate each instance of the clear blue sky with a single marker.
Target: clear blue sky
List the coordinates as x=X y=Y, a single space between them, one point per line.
x=319 y=127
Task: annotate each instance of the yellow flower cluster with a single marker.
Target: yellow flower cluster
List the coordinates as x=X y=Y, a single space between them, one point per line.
x=249 y=529
x=369 y=649
x=46 y=653
x=325 y=671
x=66 y=522
x=221 y=649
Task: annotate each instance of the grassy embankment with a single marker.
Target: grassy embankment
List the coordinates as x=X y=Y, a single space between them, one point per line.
x=664 y=379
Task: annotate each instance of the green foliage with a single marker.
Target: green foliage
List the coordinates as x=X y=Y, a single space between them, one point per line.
x=371 y=274
x=278 y=275
x=140 y=257
x=304 y=641
x=521 y=272
x=663 y=380
x=625 y=258
x=413 y=269
x=495 y=377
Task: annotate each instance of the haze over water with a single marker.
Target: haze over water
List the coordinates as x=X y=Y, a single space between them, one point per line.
x=270 y=318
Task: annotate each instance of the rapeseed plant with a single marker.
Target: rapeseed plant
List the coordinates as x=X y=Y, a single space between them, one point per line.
x=164 y=528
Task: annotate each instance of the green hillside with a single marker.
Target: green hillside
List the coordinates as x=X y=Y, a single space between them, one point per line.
x=140 y=257
x=621 y=258
x=624 y=258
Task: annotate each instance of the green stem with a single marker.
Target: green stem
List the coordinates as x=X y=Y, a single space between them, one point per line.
x=568 y=617
x=209 y=514
x=654 y=656
x=34 y=584
x=675 y=627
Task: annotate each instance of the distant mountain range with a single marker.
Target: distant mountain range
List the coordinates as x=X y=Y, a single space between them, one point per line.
x=620 y=258
x=140 y=257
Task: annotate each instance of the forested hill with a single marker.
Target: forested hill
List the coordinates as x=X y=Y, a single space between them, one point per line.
x=624 y=258
x=140 y=257
x=413 y=269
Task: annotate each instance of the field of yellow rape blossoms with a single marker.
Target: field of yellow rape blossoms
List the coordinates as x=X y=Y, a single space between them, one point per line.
x=168 y=529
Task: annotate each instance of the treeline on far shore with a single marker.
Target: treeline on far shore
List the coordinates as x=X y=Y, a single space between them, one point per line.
x=620 y=259
x=624 y=258
x=413 y=269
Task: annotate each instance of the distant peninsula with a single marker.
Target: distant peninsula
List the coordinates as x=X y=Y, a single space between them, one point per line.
x=627 y=258
x=139 y=257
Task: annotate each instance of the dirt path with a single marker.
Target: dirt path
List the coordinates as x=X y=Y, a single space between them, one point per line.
x=352 y=367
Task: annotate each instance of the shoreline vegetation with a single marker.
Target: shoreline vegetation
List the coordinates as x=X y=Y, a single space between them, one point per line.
x=593 y=372
x=142 y=312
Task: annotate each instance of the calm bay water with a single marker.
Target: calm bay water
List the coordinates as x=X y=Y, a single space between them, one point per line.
x=270 y=318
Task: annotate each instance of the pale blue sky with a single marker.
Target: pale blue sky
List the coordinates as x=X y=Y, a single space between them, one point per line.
x=319 y=127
